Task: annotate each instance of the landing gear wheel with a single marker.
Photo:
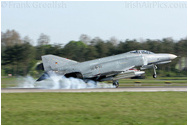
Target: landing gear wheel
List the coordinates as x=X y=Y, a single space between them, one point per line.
x=154 y=75
x=154 y=69
x=116 y=84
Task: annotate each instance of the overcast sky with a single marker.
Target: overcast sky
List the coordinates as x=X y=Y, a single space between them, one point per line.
x=65 y=21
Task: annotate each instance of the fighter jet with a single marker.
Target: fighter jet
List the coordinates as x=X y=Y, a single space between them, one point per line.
x=110 y=68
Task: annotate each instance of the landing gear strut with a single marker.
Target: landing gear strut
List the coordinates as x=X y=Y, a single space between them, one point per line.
x=116 y=83
x=154 y=69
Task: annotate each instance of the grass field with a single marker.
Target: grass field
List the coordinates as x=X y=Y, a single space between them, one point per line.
x=9 y=82
x=125 y=108
x=175 y=81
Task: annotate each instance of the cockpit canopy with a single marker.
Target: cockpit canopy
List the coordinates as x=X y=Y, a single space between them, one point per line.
x=141 y=52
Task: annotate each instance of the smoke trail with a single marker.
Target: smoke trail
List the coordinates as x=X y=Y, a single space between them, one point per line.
x=60 y=82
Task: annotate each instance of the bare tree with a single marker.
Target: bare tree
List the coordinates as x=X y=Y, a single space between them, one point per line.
x=10 y=38
x=95 y=40
x=85 y=39
x=114 y=41
x=43 y=39
x=26 y=39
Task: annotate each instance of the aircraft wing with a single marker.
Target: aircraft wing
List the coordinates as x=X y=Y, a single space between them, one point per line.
x=125 y=73
x=116 y=75
x=128 y=74
x=113 y=73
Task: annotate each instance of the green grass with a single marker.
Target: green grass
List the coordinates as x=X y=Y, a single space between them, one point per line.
x=151 y=81
x=176 y=81
x=125 y=108
x=169 y=78
x=9 y=81
x=151 y=85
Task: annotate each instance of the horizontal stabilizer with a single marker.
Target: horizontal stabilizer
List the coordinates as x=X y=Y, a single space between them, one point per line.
x=43 y=77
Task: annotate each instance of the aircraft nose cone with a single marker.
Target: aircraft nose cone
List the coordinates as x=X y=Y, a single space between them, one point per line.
x=172 y=56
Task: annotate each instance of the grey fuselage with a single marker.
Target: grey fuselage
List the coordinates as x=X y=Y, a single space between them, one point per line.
x=95 y=67
x=111 y=66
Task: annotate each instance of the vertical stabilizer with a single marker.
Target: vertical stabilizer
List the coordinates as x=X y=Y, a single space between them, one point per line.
x=51 y=62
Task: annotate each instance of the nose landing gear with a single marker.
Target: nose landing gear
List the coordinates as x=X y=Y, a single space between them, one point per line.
x=116 y=83
x=154 y=69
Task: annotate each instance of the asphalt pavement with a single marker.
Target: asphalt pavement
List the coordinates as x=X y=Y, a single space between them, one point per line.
x=121 y=89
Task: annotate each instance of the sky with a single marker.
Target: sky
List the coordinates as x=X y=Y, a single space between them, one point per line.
x=66 y=21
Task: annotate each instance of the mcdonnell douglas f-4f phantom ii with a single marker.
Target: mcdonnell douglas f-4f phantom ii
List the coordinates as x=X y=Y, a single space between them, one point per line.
x=110 y=68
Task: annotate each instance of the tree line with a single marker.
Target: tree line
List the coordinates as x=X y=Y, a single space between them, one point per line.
x=19 y=56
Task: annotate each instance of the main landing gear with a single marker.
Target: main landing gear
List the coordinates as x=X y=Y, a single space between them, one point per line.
x=116 y=83
x=154 y=69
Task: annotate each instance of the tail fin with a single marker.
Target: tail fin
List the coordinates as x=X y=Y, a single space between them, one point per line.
x=51 y=62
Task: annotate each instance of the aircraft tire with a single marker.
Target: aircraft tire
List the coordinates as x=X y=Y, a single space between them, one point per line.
x=116 y=84
x=154 y=75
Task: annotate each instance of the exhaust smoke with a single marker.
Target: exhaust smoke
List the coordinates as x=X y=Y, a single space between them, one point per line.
x=60 y=82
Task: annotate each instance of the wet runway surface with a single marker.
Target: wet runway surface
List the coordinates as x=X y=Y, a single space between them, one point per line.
x=120 y=89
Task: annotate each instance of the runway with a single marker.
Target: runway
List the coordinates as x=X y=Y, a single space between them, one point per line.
x=121 y=89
